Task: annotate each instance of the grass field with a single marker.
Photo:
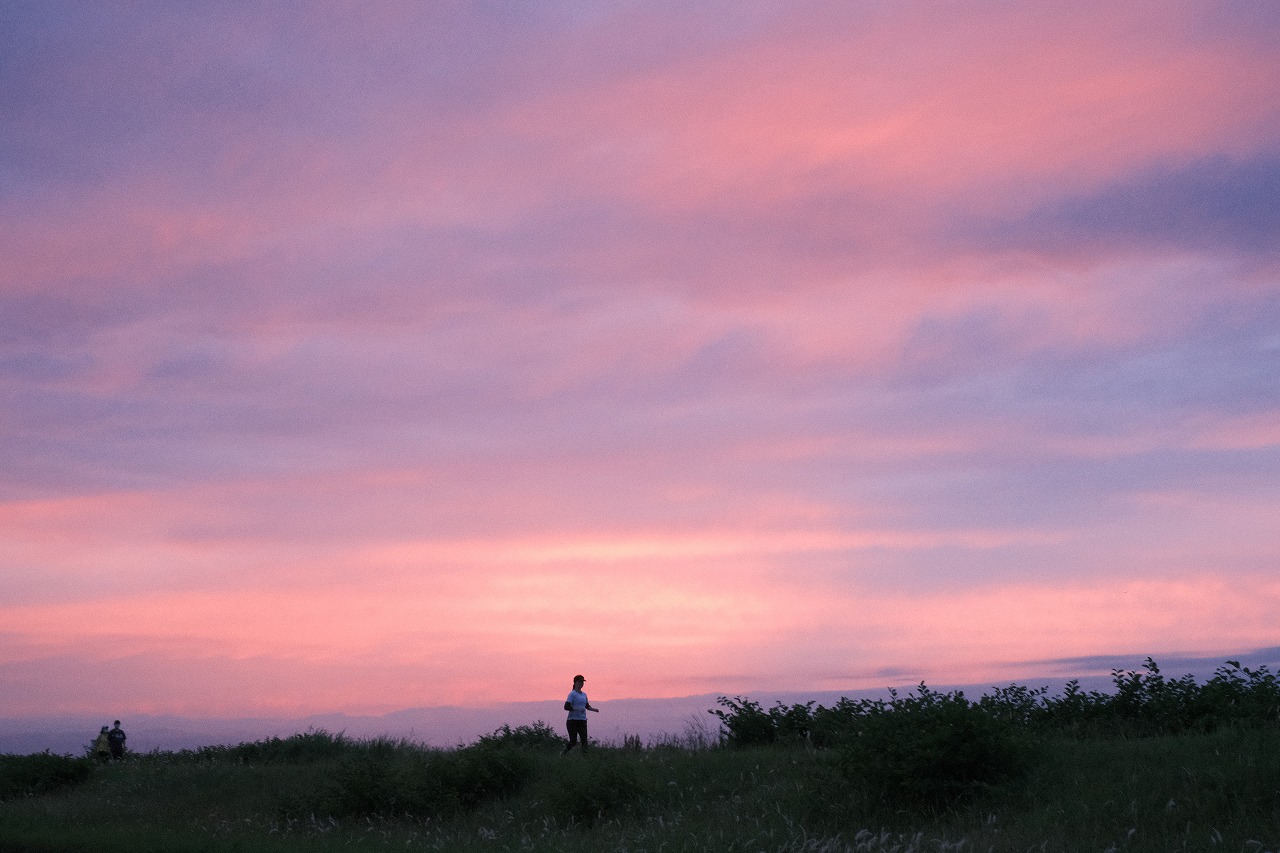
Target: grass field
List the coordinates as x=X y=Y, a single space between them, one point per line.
x=1157 y=765
x=1192 y=791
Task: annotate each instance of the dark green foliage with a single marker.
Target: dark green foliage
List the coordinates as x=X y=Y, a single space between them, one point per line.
x=418 y=782
x=31 y=775
x=1157 y=764
x=305 y=748
x=745 y=723
x=1014 y=704
x=537 y=736
x=793 y=724
x=482 y=774
x=1197 y=790
x=1238 y=693
x=1145 y=703
x=927 y=748
x=930 y=749
x=934 y=748
x=1193 y=791
x=596 y=786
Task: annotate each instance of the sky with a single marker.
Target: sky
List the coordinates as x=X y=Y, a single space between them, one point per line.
x=358 y=357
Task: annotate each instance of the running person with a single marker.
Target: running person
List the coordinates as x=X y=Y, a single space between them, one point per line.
x=577 y=706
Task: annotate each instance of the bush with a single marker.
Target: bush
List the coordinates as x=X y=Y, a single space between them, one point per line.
x=745 y=723
x=1238 y=693
x=305 y=748
x=41 y=773
x=538 y=736
x=418 y=782
x=596 y=787
x=480 y=775
x=930 y=749
x=1145 y=703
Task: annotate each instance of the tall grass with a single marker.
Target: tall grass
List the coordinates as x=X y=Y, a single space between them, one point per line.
x=928 y=771
x=31 y=775
x=1193 y=791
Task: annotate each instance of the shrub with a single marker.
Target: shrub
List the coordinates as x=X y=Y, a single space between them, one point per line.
x=1015 y=704
x=930 y=749
x=1239 y=693
x=1146 y=703
x=418 y=782
x=538 y=736
x=41 y=773
x=480 y=775
x=304 y=748
x=745 y=723
x=598 y=786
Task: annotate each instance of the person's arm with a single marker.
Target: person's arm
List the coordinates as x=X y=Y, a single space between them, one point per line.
x=590 y=707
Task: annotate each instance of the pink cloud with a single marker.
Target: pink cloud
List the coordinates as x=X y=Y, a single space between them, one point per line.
x=907 y=104
x=512 y=635
x=688 y=360
x=1246 y=432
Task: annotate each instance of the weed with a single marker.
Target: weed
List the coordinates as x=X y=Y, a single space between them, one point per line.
x=1161 y=764
x=416 y=782
x=930 y=749
x=31 y=775
x=599 y=786
x=538 y=736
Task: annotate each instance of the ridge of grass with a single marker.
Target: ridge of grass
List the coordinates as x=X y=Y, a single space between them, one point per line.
x=1160 y=765
x=1193 y=791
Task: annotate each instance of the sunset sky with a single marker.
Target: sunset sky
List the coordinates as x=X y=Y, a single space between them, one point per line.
x=362 y=356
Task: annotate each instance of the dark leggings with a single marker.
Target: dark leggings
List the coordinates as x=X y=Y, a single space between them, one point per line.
x=577 y=729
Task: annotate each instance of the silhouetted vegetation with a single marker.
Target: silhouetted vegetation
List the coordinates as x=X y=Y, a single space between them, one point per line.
x=1144 y=703
x=416 y=782
x=30 y=775
x=538 y=736
x=306 y=748
x=1158 y=764
x=932 y=748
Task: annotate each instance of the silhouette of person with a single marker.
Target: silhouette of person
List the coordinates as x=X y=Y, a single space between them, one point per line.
x=577 y=706
x=116 y=739
x=102 y=745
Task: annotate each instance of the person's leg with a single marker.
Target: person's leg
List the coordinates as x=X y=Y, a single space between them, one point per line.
x=577 y=729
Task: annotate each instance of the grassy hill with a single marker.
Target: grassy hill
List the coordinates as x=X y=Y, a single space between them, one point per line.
x=929 y=771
